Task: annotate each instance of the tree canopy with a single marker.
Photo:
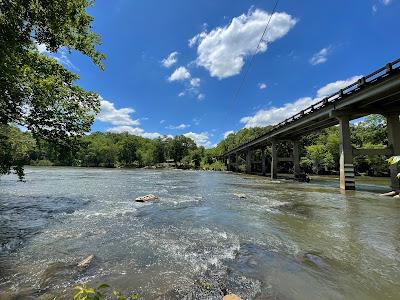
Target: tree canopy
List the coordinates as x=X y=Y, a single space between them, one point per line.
x=36 y=91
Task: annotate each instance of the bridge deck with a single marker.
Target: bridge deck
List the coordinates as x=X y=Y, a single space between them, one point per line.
x=378 y=92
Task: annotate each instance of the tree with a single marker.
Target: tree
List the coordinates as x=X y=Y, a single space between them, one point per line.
x=128 y=153
x=180 y=147
x=36 y=91
x=15 y=148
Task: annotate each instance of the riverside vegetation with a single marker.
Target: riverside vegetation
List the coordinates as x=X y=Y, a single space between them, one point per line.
x=319 y=151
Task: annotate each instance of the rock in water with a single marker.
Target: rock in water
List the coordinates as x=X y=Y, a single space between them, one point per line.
x=86 y=262
x=240 y=195
x=390 y=194
x=231 y=297
x=146 y=198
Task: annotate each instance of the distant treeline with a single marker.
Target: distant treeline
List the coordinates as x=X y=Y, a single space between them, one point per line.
x=319 y=151
x=105 y=149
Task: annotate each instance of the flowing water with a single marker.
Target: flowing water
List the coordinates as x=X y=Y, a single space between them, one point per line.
x=285 y=240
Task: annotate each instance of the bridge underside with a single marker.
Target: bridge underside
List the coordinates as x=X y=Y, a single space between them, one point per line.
x=378 y=93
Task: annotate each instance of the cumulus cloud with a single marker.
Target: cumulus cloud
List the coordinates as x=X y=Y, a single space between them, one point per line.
x=120 y=117
x=386 y=2
x=181 y=94
x=181 y=126
x=180 y=74
x=320 y=57
x=223 y=50
x=262 y=86
x=275 y=115
x=201 y=139
x=134 y=131
x=333 y=87
x=201 y=96
x=226 y=133
x=170 y=60
x=195 y=82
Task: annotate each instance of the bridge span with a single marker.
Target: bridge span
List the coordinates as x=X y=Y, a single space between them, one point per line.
x=376 y=93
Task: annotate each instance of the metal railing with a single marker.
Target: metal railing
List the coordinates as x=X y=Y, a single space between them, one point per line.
x=334 y=98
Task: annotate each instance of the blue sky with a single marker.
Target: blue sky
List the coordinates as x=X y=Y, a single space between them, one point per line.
x=173 y=67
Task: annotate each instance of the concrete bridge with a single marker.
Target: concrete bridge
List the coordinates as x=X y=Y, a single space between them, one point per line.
x=376 y=93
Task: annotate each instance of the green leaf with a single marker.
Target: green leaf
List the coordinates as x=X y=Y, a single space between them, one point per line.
x=394 y=160
x=103 y=286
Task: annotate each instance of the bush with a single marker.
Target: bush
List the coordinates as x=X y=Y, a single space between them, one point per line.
x=41 y=163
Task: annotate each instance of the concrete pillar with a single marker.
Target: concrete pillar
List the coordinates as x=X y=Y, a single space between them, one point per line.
x=248 y=161
x=263 y=162
x=236 y=162
x=296 y=159
x=274 y=160
x=347 y=181
x=393 y=132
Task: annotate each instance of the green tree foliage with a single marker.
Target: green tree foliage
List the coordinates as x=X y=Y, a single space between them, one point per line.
x=180 y=147
x=36 y=91
x=242 y=136
x=15 y=148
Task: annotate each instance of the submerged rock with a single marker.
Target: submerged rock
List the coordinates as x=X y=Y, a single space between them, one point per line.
x=313 y=259
x=86 y=262
x=240 y=195
x=146 y=198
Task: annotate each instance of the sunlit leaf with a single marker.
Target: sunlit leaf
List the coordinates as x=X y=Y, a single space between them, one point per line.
x=103 y=286
x=394 y=159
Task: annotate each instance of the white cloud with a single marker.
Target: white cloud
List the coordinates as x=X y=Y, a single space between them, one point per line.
x=226 y=133
x=262 y=86
x=181 y=94
x=170 y=60
x=374 y=8
x=275 y=115
x=201 y=139
x=195 y=82
x=120 y=117
x=223 y=50
x=201 y=96
x=181 y=126
x=386 y=2
x=179 y=74
x=41 y=48
x=135 y=131
x=196 y=121
x=333 y=87
x=162 y=121
x=320 y=57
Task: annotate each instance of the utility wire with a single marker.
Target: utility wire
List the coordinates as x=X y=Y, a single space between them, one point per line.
x=245 y=75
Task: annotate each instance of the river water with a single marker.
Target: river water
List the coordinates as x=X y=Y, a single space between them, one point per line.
x=285 y=240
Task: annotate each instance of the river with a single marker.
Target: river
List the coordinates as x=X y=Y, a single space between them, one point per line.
x=285 y=240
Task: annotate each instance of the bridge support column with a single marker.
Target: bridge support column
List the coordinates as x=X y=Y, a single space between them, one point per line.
x=296 y=159
x=248 y=161
x=274 y=160
x=237 y=156
x=347 y=181
x=263 y=163
x=393 y=132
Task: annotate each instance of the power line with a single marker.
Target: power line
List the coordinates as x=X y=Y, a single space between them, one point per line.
x=245 y=75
